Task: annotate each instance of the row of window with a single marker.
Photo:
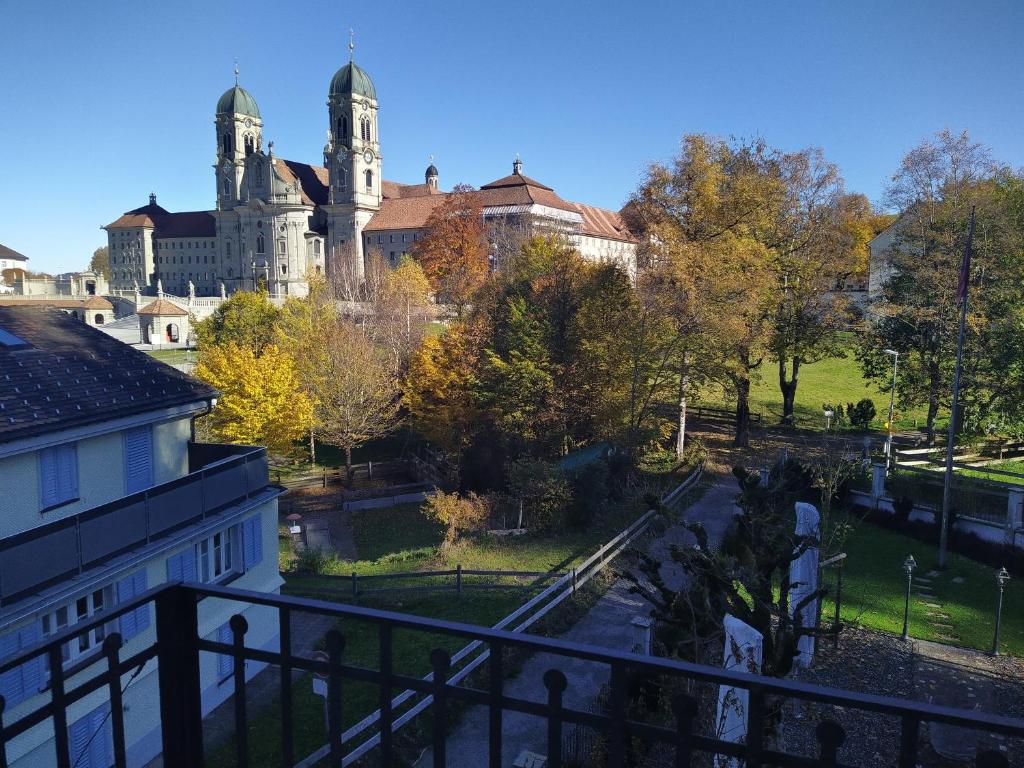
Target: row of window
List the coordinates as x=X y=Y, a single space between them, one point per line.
x=58 y=468
x=406 y=238
x=175 y=245
x=213 y=559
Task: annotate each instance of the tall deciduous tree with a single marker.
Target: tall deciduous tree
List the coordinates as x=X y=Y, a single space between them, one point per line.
x=356 y=394
x=935 y=188
x=401 y=311
x=262 y=402
x=100 y=261
x=453 y=250
x=246 y=319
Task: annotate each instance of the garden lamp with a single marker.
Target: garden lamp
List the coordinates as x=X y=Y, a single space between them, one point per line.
x=908 y=567
x=829 y=413
x=1002 y=579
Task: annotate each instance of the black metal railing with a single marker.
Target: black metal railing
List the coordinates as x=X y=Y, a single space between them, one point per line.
x=219 y=476
x=178 y=648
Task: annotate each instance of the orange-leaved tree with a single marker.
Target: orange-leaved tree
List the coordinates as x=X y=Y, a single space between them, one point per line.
x=453 y=251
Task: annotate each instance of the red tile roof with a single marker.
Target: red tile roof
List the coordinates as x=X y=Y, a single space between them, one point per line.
x=404 y=212
x=92 y=302
x=392 y=189
x=162 y=307
x=600 y=222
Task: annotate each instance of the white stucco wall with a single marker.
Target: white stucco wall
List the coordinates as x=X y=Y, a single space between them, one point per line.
x=101 y=477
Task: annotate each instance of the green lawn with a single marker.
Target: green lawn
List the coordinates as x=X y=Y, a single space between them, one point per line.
x=874 y=586
x=1004 y=466
x=173 y=356
x=835 y=380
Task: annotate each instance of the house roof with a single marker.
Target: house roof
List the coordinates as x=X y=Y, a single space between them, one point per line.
x=393 y=189
x=600 y=222
x=10 y=253
x=403 y=212
x=162 y=307
x=92 y=302
x=313 y=178
x=67 y=374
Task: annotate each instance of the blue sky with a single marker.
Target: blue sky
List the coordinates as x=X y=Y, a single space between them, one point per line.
x=106 y=100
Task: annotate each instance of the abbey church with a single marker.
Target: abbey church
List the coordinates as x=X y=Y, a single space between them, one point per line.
x=278 y=221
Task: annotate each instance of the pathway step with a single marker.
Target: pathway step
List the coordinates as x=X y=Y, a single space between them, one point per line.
x=930 y=605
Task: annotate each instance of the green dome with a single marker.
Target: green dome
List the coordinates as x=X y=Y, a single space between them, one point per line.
x=238 y=101
x=351 y=79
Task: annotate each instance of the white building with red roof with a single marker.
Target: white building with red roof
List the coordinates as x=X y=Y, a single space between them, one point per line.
x=278 y=221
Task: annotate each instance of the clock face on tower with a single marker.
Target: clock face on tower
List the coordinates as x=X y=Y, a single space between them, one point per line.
x=248 y=123
x=368 y=156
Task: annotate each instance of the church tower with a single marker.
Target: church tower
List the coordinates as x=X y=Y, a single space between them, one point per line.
x=239 y=134
x=354 y=165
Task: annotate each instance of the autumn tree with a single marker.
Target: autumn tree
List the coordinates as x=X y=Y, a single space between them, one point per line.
x=437 y=388
x=458 y=514
x=100 y=261
x=303 y=329
x=246 y=320
x=261 y=402
x=453 y=250
x=401 y=310
x=935 y=188
x=714 y=208
x=356 y=393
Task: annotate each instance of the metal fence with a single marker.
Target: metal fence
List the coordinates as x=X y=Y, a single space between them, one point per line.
x=178 y=647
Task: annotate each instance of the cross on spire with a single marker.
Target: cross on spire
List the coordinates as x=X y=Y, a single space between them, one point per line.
x=236 y=70
x=351 y=45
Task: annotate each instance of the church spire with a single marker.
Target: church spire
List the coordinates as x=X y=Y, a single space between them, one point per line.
x=351 y=45
x=236 y=73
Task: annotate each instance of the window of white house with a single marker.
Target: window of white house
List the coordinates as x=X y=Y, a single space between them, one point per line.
x=58 y=475
x=75 y=612
x=215 y=556
x=282 y=247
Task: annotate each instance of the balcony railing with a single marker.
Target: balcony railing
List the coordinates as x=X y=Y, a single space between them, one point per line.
x=219 y=476
x=178 y=649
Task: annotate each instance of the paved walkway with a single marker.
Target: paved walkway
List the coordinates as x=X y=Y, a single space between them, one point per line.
x=606 y=625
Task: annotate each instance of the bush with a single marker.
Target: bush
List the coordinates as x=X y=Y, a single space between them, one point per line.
x=658 y=462
x=544 y=491
x=457 y=514
x=838 y=415
x=317 y=561
x=589 y=487
x=861 y=414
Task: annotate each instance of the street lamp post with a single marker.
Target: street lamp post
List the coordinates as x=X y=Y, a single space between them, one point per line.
x=908 y=567
x=892 y=400
x=1002 y=578
x=829 y=413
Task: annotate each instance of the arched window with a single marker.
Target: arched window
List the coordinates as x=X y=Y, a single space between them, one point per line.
x=260 y=243
x=227 y=247
x=250 y=144
x=227 y=143
x=172 y=333
x=316 y=247
x=364 y=128
x=227 y=187
x=98 y=319
x=369 y=180
x=258 y=171
x=341 y=129
x=231 y=272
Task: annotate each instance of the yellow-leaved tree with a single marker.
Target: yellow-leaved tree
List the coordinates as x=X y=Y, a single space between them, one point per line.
x=261 y=400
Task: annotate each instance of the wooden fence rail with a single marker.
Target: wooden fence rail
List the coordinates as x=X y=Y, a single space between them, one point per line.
x=354 y=580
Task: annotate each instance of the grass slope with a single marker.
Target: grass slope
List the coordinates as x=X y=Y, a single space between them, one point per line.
x=874 y=587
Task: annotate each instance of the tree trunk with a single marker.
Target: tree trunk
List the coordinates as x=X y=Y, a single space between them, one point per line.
x=519 y=525
x=312 y=448
x=348 y=465
x=742 y=385
x=788 y=387
x=934 y=385
x=684 y=380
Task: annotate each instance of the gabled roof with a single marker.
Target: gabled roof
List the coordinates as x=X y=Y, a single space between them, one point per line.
x=392 y=189
x=404 y=212
x=92 y=302
x=70 y=375
x=516 y=180
x=162 y=307
x=8 y=253
x=600 y=222
x=313 y=178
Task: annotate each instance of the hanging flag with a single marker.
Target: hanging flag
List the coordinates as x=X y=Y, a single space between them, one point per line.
x=965 y=265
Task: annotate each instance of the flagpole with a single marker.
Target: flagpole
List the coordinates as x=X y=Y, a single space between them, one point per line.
x=947 y=485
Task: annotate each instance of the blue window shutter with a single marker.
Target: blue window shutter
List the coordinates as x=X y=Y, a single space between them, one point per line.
x=11 y=687
x=48 y=491
x=138 y=458
x=252 y=542
x=182 y=566
x=79 y=733
x=101 y=750
x=133 y=622
x=32 y=670
x=67 y=472
x=224 y=662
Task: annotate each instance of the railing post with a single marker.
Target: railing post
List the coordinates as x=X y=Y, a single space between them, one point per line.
x=3 y=739
x=830 y=737
x=385 y=652
x=177 y=635
x=556 y=683
x=287 y=730
x=458 y=580
x=441 y=662
x=111 y=649
x=837 y=627
x=685 y=709
x=355 y=587
x=617 y=729
x=239 y=626
x=909 y=727
x=497 y=678
x=335 y=647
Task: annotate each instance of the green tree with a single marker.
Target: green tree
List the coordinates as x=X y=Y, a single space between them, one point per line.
x=100 y=261
x=246 y=319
